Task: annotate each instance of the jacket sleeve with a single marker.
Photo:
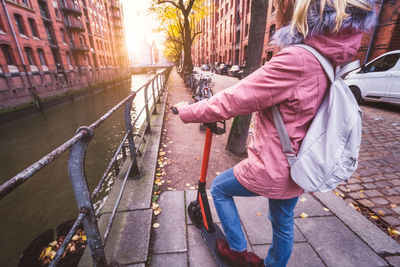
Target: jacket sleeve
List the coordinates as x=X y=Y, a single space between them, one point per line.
x=269 y=85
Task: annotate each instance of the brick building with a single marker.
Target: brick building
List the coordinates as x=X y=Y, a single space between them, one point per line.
x=227 y=28
x=50 y=47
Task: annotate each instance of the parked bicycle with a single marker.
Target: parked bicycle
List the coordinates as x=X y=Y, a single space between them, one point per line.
x=203 y=89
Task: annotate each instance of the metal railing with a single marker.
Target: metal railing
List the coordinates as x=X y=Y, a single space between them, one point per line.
x=77 y=146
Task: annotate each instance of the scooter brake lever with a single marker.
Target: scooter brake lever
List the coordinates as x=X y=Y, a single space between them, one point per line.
x=213 y=126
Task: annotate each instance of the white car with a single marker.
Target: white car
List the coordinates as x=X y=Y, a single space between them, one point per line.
x=378 y=80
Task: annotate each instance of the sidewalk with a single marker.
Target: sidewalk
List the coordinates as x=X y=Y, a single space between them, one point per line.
x=328 y=232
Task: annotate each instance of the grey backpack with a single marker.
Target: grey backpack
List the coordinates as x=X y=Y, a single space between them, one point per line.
x=328 y=154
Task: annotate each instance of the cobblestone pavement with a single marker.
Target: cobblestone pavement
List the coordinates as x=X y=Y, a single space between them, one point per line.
x=374 y=189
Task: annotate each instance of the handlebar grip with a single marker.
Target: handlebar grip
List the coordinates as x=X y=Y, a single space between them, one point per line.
x=174 y=110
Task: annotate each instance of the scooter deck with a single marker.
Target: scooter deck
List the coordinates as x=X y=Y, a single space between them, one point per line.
x=210 y=239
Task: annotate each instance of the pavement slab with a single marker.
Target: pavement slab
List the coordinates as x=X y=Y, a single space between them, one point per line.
x=309 y=205
x=302 y=255
x=129 y=238
x=199 y=253
x=336 y=244
x=170 y=236
x=170 y=259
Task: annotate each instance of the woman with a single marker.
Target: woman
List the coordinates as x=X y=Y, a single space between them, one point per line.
x=295 y=81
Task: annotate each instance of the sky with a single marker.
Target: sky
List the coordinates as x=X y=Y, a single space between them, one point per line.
x=139 y=27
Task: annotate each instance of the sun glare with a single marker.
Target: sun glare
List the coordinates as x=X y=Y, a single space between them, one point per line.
x=139 y=28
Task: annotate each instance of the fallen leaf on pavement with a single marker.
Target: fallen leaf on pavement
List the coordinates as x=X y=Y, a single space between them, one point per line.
x=303 y=199
x=156 y=225
x=303 y=215
x=157 y=211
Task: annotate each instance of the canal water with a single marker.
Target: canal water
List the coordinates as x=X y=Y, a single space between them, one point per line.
x=47 y=200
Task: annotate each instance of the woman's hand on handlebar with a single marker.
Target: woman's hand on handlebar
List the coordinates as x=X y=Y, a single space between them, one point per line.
x=179 y=105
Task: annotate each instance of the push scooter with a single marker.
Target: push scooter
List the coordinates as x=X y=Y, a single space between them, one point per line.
x=199 y=209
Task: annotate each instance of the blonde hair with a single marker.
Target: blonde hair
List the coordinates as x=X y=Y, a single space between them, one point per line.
x=299 y=19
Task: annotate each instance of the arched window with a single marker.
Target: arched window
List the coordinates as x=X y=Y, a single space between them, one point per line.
x=6 y=49
x=20 y=24
x=42 y=57
x=30 y=56
x=63 y=36
x=2 y=28
x=33 y=27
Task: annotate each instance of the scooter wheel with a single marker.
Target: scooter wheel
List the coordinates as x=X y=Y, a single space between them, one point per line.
x=194 y=212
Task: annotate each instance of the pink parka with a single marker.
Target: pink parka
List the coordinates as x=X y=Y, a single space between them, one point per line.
x=295 y=81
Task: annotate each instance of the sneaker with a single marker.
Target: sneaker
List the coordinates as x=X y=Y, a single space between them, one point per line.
x=237 y=259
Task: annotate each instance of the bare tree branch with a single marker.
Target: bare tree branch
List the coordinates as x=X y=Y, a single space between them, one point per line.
x=194 y=36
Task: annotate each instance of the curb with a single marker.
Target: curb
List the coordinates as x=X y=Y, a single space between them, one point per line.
x=374 y=237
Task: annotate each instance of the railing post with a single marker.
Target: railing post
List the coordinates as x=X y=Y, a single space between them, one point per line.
x=159 y=82
x=154 y=96
x=76 y=170
x=146 y=102
x=129 y=129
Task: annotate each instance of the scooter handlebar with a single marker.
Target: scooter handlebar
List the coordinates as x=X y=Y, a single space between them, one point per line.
x=174 y=110
x=213 y=126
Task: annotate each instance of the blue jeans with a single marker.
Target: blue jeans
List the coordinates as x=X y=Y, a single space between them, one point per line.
x=281 y=215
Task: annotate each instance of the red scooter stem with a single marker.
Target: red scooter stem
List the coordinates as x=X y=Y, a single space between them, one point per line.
x=206 y=156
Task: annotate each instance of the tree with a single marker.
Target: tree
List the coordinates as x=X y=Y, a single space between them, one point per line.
x=240 y=126
x=181 y=16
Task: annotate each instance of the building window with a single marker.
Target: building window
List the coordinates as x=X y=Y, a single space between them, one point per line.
x=57 y=13
x=33 y=27
x=29 y=55
x=63 y=36
x=26 y=3
x=248 y=6
x=49 y=33
x=20 y=23
x=6 y=49
x=41 y=56
x=2 y=28
x=68 y=59
x=246 y=30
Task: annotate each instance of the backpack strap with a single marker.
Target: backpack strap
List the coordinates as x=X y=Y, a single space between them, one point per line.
x=283 y=136
x=280 y=125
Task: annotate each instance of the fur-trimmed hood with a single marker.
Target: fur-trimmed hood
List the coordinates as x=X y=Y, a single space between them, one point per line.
x=358 y=20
